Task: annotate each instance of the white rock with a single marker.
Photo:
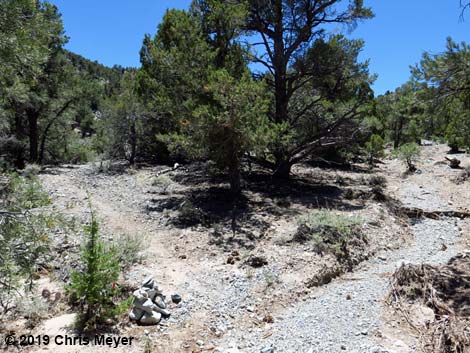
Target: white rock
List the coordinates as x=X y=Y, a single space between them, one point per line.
x=151 y=319
x=157 y=289
x=148 y=282
x=148 y=306
x=140 y=295
x=151 y=293
x=160 y=302
x=165 y=313
x=267 y=349
x=136 y=314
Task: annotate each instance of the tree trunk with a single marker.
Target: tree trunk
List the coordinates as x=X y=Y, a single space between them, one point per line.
x=42 y=147
x=48 y=127
x=454 y=148
x=234 y=178
x=19 y=134
x=133 y=142
x=33 y=133
x=282 y=171
x=280 y=68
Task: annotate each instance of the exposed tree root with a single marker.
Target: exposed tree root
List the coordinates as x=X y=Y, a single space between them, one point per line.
x=420 y=213
x=446 y=290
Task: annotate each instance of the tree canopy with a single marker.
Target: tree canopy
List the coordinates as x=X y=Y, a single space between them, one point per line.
x=199 y=93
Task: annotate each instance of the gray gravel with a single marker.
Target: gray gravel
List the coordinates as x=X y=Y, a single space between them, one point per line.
x=328 y=321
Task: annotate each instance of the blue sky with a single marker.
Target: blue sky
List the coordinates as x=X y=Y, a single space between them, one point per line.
x=111 y=31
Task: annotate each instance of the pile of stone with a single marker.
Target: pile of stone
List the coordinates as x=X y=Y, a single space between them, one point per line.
x=149 y=305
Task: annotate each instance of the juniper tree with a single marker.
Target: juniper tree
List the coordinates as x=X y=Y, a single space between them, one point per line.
x=290 y=34
x=201 y=90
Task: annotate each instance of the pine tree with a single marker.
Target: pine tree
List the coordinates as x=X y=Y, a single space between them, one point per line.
x=92 y=288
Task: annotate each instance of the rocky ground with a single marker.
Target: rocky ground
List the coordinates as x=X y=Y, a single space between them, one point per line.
x=230 y=306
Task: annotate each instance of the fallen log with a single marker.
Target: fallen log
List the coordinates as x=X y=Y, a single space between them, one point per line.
x=413 y=212
x=454 y=163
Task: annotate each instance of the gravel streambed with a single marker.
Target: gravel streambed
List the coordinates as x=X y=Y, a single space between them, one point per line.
x=345 y=315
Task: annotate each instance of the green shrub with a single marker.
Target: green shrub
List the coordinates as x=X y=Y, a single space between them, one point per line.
x=409 y=154
x=191 y=215
x=330 y=233
x=163 y=183
x=377 y=180
x=26 y=193
x=128 y=250
x=80 y=150
x=33 y=310
x=375 y=148
x=24 y=240
x=93 y=288
x=31 y=170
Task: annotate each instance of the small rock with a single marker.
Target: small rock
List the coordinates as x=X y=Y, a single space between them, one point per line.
x=151 y=293
x=157 y=289
x=176 y=298
x=160 y=302
x=257 y=261
x=343 y=347
x=148 y=306
x=267 y=349
x=165 y=313
x=348 y=296
x=148 y=282
x=268 y=319
x=136 y=314
x=151 y=319
x=200 y=343
x=140 y=295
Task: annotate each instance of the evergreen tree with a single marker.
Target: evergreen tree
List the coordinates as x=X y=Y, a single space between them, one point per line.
x=92 y=288
x=290 y=35
x=448 y=74
x=212 y=106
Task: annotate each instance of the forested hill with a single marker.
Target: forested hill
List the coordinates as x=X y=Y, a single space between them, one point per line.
x=93 y=69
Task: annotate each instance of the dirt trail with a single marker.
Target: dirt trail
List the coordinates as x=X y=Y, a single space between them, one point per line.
x=346 y=315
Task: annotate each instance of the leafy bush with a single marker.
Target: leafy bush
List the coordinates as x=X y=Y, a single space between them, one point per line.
x=128 y=249
x=374 y=148
x=80 y=151
x=190 y=215
x=408 y=153
x=31 y=170
x=331 y=233
x=12 y=152
x=33 y=309
x=25 y=193
x=377 y=180
x=24 y=240
x=163 y=182
x=93 y=288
